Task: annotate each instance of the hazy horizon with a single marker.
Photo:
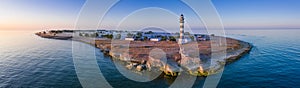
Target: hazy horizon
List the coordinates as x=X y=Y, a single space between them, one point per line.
x=62 y=14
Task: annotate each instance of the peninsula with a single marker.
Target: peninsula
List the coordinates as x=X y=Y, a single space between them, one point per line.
x=172 y=53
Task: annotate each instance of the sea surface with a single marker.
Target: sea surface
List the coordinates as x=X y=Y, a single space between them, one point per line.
x=27 y=60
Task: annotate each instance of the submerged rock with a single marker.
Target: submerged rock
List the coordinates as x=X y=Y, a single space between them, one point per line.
x=172 y=68
x=140 y=67
x=130 y=66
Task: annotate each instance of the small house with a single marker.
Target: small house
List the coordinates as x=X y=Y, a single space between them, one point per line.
x=155 y=39
x=129 y=39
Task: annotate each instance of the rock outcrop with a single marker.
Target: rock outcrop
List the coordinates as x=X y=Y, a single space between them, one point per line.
x=193 y=57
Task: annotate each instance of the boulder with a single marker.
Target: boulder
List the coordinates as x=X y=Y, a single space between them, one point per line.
x=140 y=67
x=129 y=66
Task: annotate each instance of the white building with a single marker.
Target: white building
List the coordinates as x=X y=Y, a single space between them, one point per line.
x=129 y=39
x=155 y=39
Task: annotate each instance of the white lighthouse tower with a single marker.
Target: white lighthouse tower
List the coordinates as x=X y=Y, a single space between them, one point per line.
x=181 y=39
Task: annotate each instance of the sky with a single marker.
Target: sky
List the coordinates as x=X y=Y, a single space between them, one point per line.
x=135 y=14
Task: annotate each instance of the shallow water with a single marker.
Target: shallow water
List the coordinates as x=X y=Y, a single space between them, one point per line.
x=273 y=62
x=29 y=61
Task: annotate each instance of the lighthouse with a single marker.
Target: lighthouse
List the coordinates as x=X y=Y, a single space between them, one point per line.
x=181 y=38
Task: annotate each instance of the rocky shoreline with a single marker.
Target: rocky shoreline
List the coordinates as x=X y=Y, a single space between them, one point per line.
x=59 y=36
x=167 y=56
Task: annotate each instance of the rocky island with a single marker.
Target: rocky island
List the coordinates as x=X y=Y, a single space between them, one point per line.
x=172 y=53
x=144 y=53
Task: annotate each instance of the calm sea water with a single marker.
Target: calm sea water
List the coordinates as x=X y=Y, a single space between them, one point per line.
x=29 y=61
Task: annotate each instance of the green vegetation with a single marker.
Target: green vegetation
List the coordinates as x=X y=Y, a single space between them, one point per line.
x=139 y=35
x=86 y=35
x=56 y=31
x=163 y=38
x=130 y=35
x=94 y=35
x=118 y=36
x=110 y=36
x=149 y=32
x=172 y=38
x=60 y=31
x=145 y=38
x=192 y=37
